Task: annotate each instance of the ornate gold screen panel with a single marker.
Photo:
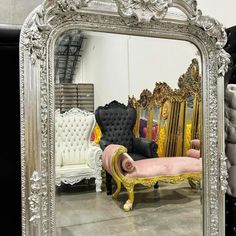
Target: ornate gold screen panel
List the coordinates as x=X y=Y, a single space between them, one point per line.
x=173 y=117
x=143 y=107
x=190 y=87
x=164 y=98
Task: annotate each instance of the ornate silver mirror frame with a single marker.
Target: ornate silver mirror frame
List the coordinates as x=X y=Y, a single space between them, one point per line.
x=143 y=17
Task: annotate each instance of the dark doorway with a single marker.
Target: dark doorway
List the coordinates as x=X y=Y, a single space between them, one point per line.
x=10 y=130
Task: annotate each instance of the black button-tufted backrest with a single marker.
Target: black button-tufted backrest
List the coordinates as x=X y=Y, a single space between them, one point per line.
x=116 y=122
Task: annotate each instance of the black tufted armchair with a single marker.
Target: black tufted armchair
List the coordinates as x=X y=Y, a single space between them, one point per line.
x=116 y=122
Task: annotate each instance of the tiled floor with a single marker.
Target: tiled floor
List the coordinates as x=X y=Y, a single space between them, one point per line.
x=171 y=210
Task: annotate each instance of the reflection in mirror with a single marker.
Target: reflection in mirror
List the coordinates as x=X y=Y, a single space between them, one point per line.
x=145 y=98
x=143 y=122
x=188 y=121
x=93 y=69
x=156 y=121
x=164 y=128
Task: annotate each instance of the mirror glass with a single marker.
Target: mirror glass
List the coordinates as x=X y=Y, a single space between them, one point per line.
x=92 y=69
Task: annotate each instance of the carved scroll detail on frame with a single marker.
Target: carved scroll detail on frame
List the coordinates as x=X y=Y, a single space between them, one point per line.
x=35 y=198
x=224 y=173
x=144 y=10
x=71 y=5
x=37 y=35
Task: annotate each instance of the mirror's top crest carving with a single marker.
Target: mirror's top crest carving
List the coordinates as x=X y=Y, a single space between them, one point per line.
x=52 y=13
x=144 y=10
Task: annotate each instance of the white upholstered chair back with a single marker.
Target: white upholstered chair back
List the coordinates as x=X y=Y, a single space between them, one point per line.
x=73 y=130
x=77 y=158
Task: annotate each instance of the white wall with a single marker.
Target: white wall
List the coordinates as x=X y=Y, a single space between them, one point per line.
x=14 y=12
x=223 y=11
x=120 y=66
x=104 y=63
x=154 y=60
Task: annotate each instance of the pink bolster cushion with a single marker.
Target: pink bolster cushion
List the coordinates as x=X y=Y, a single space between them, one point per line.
x=193 y=153
x=127 y=162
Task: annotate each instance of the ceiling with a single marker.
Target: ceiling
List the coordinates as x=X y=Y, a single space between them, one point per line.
x=67 y=56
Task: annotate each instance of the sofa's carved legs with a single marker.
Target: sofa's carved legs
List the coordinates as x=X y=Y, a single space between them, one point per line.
x=129 y=203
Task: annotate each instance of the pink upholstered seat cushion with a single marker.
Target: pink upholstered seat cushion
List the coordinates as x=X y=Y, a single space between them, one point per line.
x=166 y=166
x=146 y=168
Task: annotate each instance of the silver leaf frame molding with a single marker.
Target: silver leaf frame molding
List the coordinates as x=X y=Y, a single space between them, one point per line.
x=134 y=17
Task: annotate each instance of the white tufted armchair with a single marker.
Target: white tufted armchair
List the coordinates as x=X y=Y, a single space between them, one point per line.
x=75 y=156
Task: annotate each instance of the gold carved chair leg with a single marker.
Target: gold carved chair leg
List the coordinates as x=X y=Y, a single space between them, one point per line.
x=129 y=203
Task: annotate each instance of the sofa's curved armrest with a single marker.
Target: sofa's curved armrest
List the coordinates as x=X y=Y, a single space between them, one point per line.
x=111 y=160
x=94 y=154
x=145 y=147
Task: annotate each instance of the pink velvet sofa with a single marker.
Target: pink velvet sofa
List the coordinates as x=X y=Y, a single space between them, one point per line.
x=127 y=172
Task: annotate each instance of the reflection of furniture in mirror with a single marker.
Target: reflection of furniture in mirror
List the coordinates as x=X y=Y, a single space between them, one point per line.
x=164 y=113
x=191 y=105
x=96 y=134
x=145 y=99
x=76 y=157
x=128 y=172
x=173 y=115
x=161 y=117
x=116 y=122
